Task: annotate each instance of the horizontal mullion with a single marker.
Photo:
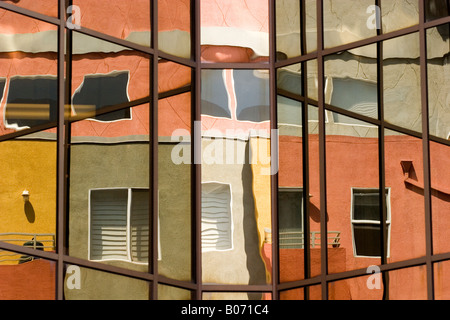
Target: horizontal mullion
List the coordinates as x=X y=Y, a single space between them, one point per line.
x=30 y=13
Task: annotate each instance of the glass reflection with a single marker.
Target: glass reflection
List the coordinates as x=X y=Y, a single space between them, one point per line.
x=105 y=76
x=351 y=78
x=109 y=191
x=399 y=14
x=440 y=195
x=353 y=205
x=28 y=193
x=438 y=49
x=47 y=7
x=359 y=288
x=401 y=82
x=28 y=72
x=347 y=21
x=441 y=272
x=31 y=280
x=174 y=188
x=288 y=29
x=236 y=206
x=174 y=27
x=435 y=9
x=408 y=283
x=240 y=35
x=166 y=292
x=404 y=180
x=121 y=19
x=82 y=283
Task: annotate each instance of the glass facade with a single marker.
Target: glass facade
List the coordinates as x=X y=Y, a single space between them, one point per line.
x=225 y=150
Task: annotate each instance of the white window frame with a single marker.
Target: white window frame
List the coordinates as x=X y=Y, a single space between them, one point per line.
x=128 y=227
x=388 y=220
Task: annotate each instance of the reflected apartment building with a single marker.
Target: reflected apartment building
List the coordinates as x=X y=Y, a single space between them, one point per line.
x=225 y=150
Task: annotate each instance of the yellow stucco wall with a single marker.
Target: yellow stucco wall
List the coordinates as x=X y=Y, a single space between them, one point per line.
x=27 y=165
x=261 y=168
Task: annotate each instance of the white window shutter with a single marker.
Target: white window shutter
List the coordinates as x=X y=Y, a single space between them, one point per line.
x=108 y=224
x=216 y=217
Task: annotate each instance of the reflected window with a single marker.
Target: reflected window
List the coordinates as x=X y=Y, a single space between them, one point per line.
x=102 y=90
x=366 y=221
x=119 y=224
x=252 y=95
x=216 y=217
x=31 y=101
x=290 y=218
x=356 y=96
x=214 y=94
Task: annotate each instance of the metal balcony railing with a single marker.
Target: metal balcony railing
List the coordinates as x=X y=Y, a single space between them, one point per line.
x=296 y=239
x=38 y=241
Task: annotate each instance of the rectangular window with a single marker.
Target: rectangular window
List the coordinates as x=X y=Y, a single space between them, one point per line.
x=216 y=217
x=366 y=224
x=119 y=224
x=290 y=218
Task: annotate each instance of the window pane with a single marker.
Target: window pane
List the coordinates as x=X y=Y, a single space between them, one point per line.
x=28 y=191
x=239 y=35
x=367 y=240
x=440 y=196
x=174 y=24
x=82 y=283
x=408 y=284
x=438 y=49
x=121 y=19
x=106 y=76
x=346 y=21
x=351 y=83
x=352 y=168
x=436 y=9
x=404 y=177
x=28 y=72
x=288 y=29
x=175 y=215
x=401 y=82
x=441 y=284
x=109 y=191
x=399 y=14
x=26 y=280
x=236 y=155
x=47 y=7
x=238 y=296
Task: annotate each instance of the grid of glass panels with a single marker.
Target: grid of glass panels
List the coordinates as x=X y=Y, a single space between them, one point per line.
x=198 y=149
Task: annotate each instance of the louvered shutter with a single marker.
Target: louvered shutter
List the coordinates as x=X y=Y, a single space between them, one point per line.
x=108 y=224
x=139 y=231
x=216 y=217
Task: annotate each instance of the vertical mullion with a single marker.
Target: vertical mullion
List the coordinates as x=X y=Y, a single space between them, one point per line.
x=153 y=179
x=60 y=154
x=274 y=149
x=426 y=151
x=196 y=145
x=322 y=156
x=381 y=156
x=305 y=152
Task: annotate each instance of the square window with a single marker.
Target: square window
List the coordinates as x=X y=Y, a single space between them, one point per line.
x=119 y=224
